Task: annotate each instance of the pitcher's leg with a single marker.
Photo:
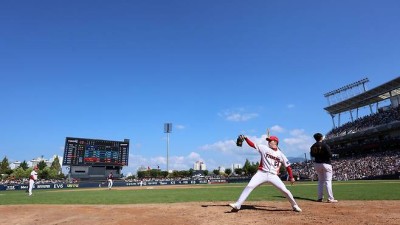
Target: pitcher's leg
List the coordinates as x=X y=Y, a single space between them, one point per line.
x=256 y=180
x=278 y=183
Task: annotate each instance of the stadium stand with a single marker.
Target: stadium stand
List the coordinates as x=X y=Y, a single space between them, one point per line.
x=366 y=147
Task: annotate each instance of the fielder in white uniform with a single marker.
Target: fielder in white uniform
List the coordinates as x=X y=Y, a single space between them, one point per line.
x=110 y=180
x=32 y=179
x=271 y=160
x=321 y=153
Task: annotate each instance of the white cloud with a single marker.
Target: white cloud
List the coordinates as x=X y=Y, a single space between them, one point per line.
x=221 y=146
x=194 y=156
x=276 y=129
x=290 y=106
x=180 y=127
x=160 y=160
x=299 y=143
x=174 y=162
x=237 y=115
x=224 y=153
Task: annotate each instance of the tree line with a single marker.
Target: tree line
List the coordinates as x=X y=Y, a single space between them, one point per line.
x=55 y=171
x=248 y=169
x=24 y=171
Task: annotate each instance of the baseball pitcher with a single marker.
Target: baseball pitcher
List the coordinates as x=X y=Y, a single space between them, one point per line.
x=271 y=160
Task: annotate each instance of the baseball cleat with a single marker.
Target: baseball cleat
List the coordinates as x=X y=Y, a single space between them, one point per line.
x=332 y=201
x=234 y=206
x=319 y=200
x=297 y=208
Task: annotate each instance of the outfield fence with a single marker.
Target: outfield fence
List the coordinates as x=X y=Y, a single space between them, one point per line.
x=100 y=184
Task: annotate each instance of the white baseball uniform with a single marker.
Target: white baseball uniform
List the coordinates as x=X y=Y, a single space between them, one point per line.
x=268 y=170
x=32 y=179
x=110 y=180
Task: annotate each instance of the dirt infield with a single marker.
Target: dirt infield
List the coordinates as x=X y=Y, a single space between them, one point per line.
x=203 y=213
x=206 y=213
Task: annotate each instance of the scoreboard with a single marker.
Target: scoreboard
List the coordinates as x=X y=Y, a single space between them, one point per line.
x=84 y=152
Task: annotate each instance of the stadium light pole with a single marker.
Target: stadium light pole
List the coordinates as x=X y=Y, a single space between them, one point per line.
x=167 y=129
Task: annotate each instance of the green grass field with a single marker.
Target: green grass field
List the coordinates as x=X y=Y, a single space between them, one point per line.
x=349 y=190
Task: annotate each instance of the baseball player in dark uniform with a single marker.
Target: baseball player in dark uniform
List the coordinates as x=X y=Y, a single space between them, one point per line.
x=321 y=154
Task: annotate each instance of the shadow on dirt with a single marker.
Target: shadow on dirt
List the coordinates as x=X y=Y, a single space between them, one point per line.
x=248 y=207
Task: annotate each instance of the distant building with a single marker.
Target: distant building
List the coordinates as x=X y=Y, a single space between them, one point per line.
x=142 y=168
x=15 y=164
x=129 y=174
x=34 y=162
x=236 y=166
x=199 y=165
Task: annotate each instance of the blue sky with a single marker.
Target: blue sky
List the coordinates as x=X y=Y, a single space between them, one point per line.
x=214 y=69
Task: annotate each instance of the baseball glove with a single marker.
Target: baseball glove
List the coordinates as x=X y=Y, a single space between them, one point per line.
x=239 y=140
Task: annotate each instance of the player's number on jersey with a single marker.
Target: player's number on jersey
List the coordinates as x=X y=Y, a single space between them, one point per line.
x=316 y=150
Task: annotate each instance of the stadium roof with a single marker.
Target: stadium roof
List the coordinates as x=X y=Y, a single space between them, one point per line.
x=372 y=96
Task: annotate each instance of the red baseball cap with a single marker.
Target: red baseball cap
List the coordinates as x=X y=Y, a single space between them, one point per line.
x=273 y=138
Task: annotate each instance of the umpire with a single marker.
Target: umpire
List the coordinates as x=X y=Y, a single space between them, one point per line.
x=322 y=155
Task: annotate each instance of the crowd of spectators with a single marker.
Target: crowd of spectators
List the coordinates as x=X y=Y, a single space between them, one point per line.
x=26 y=181
x=384 y=117
x=361 y=166
x=369 y=166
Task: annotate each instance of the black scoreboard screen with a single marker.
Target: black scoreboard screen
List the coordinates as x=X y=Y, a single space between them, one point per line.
x=83 y=152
